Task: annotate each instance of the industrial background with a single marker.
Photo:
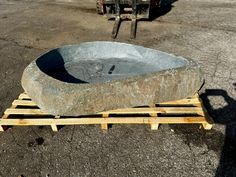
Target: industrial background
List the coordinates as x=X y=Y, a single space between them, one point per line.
x=202 y=30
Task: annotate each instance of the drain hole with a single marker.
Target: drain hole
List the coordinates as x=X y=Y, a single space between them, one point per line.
x=112 y=69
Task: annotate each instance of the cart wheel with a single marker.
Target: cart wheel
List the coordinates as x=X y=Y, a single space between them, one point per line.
x=100 y=7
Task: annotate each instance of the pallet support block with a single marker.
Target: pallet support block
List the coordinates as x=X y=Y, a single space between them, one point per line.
x=153 y=125
x=24 y=112
x=207 y=126
x=104 y=126
x=54 y=128
x=5 y=116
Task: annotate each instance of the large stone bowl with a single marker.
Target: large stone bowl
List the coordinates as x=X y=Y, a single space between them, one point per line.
x=97 y=76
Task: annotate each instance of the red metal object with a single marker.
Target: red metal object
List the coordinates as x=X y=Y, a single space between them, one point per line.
x=100 y=6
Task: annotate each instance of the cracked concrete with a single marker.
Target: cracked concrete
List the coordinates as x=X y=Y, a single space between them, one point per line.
x=202 y=30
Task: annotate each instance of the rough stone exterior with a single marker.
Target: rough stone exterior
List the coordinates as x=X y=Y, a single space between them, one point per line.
x=71 y=99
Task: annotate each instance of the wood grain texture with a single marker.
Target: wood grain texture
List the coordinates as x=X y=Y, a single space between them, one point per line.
x=173 y=112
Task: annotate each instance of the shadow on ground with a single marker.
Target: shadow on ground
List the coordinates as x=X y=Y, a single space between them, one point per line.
x=225 y=115
x=165 y=6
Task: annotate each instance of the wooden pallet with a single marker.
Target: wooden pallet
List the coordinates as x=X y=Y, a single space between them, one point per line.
x=25 y=112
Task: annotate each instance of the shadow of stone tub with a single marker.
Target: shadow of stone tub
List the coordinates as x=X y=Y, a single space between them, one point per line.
x=97 y=76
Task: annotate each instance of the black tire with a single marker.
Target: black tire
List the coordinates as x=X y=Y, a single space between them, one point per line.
x=99 y=7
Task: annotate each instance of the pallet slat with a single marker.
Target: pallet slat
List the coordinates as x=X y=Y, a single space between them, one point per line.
x=24 y=103
x=183 y=110
x=24 y=96
x=110 y=120
x=25 y=112
x=182 y=102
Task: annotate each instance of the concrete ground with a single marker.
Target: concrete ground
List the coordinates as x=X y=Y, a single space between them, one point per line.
x=203 y=30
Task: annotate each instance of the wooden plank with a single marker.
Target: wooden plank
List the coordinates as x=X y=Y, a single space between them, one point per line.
x=24 y=96
x=24 y=103
x=196 y=95
x=153 y=114
x=183 y=101
x=54 y=128
x=5 y=116
x=110 y=120
x=172 y=110
x=25 y=111
x=206 y=115
x=153 y=121
x=207 y=126
x=104 y=126
x=105 y=114
x=178 y=104
x=154 y=126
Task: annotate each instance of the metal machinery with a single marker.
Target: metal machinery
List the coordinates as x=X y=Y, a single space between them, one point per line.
x=127 y=10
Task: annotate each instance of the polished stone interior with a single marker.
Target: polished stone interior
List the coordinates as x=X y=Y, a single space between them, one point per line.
x=104 y=61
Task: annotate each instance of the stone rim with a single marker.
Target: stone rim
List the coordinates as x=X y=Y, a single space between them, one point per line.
x=57 y=88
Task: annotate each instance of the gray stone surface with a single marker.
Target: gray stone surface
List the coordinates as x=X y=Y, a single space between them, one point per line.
x=203 y=30
x=99 y=76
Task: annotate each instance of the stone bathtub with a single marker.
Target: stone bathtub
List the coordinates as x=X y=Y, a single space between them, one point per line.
x=98 y=76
